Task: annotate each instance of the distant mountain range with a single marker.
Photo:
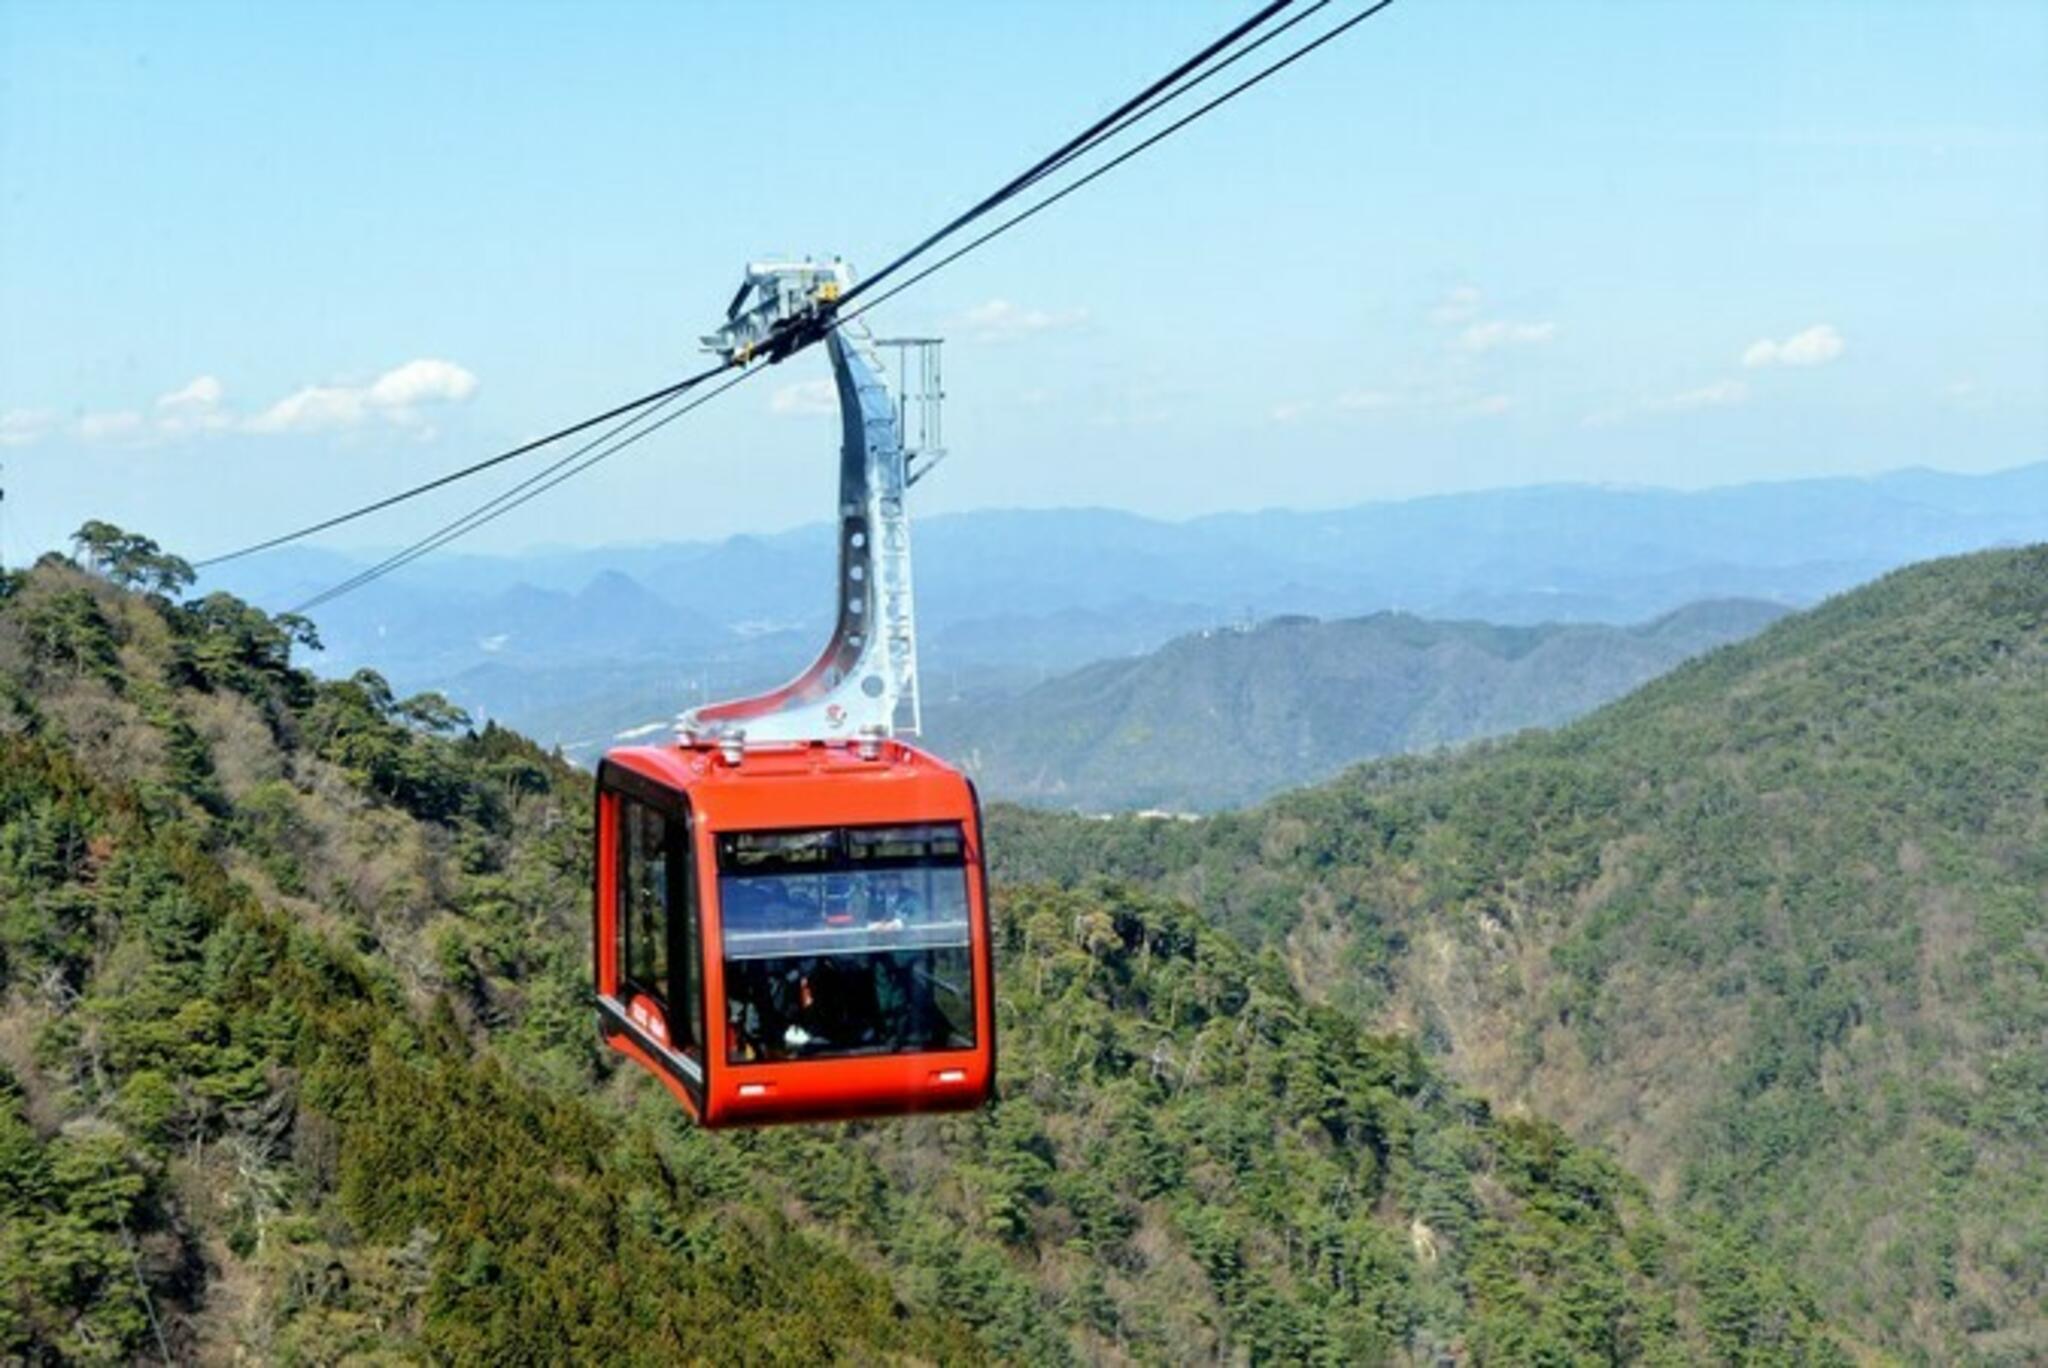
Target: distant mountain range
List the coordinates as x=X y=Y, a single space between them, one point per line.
x=1223 y=718
x=570 y=644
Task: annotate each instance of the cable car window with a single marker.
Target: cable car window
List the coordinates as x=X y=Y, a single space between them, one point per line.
x=686 y=942
x=644 y=896
x=846 y=941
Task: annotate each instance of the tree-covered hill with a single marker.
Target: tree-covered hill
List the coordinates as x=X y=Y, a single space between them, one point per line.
x=1774 y=929
x=1222 y=718
x=296 y=1065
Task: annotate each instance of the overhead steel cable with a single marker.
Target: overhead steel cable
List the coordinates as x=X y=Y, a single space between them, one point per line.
x=1117 y=119
x=1167 y=97
x=1128 y=114
x=1064 y=152
x=1168 y=131
x=530 y=488
x=368 y=573
x=666 y=392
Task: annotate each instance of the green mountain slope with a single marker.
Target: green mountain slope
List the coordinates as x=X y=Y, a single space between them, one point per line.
x=1221 y=718
x=296 y=1065
x=1774 y=929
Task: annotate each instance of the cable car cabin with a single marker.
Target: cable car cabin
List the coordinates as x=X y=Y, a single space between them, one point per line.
x=800 y=936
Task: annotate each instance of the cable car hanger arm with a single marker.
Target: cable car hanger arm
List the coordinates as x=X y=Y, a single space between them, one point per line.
x=863 y=684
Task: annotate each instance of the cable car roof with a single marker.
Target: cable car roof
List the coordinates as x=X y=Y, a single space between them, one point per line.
x=779 y=786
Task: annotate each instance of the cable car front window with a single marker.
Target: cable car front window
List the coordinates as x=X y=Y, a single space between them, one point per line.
x=845 y=941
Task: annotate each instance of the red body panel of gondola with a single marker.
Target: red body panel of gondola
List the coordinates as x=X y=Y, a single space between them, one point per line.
x=799 y=936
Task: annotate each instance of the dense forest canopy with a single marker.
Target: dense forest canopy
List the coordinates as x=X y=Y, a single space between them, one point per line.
x=297 y=1062
x=1773 y=929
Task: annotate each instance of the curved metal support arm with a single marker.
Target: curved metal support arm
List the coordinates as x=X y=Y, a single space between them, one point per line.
x=864 y=683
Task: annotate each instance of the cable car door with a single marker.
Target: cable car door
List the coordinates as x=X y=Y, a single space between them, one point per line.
x=650 y=930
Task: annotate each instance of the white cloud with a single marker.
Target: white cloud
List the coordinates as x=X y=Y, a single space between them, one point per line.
x=399 y=396
x=404 y=396
x=1288 y=413
x=19 y=427
x=1720 y=394
x=1483 y=337
x=804 y=398
x=110 y=427
x=204 y=392
x=1459 y=306
x=425 y=381
x=1425 y=398
x=197 y=407
x=999 y=320
x=316 y=408
x=1815 y=346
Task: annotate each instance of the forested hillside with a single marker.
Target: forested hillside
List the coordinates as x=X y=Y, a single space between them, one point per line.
x=1224 y=718
x=1774 y=929
x=296 y=1065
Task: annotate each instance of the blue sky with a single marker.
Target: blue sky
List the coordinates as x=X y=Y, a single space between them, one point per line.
x=260 y=262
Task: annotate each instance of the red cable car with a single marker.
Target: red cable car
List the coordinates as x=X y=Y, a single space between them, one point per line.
x=791 y=912
x=801 y=936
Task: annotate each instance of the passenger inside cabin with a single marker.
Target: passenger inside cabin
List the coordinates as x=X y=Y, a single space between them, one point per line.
x=800 y=1006
x=891 y=901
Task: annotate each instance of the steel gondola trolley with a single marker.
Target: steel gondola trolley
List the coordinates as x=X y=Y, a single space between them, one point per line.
x=791 y=905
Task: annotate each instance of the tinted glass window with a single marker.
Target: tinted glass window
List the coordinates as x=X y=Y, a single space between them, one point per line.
x=644 y=895
x=846 y=941
x=689 y=1029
